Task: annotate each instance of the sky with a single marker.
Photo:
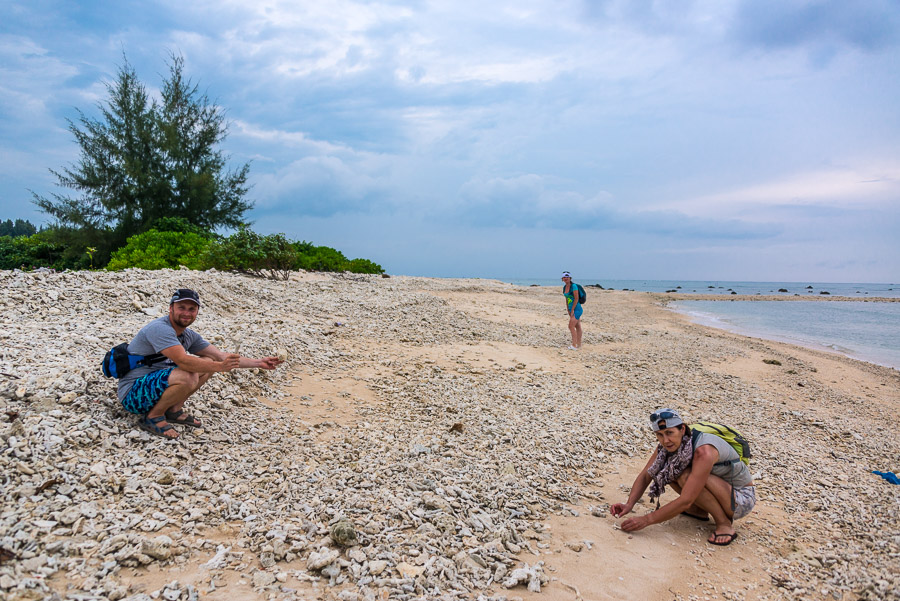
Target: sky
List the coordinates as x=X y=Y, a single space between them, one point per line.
x=624 y=139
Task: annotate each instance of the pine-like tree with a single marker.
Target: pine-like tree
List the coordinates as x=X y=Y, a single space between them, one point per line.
x=144 y=160
x=21 y=227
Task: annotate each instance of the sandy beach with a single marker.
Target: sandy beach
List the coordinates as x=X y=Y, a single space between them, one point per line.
x=444 y=424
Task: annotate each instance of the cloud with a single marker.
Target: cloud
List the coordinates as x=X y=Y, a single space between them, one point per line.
x=528 y=201
x=869 y=185
x=659 y=17
x=28 y=79
x=869 y=25
x=296 y=141
x=322 y=186
x=644 y=126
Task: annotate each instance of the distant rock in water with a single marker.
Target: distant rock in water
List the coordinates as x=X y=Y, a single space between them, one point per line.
x=733 y=292
x=824 y=292
x=782 y=290
x=809 y=287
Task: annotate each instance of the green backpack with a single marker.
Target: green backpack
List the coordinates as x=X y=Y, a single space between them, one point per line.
x=729 y=435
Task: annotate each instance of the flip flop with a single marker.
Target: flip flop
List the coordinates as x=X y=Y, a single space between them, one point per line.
x=149 y=424
x=731 y=538
x=701 y=518
x=183 y=419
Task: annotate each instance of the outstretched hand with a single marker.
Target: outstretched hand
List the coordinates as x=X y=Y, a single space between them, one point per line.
x=270 y=362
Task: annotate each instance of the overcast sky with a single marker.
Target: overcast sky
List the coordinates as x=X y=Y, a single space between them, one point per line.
x=669 y=139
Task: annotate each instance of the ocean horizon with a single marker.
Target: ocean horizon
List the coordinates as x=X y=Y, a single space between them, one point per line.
x=726 y=287
x=860 y=329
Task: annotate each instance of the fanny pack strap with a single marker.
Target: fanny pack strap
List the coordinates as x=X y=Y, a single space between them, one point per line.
x=154 y=358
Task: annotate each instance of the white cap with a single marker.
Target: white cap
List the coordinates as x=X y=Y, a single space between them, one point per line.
x=668 y=416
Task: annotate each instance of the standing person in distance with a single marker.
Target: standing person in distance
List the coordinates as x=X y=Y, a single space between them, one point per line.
x=573 y=307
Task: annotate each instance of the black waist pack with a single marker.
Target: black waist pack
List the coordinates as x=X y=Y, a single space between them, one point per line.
x=117 y=362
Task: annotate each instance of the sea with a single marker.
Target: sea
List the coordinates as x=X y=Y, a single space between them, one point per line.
x=860 y=328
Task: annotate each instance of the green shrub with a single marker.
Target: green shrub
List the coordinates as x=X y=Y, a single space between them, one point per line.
x=180 y=224
x=159 y=250
x=304 y=248
x=364 y=266
x=322 y=258
x=39 y=250
x=272 y=256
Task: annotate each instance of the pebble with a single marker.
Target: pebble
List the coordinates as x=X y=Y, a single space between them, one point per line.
x=433 y=486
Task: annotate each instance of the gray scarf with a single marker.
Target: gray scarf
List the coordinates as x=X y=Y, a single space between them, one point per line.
x=668 y=466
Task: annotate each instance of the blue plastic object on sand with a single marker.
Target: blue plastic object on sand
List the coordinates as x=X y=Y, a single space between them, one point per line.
x=889 y=476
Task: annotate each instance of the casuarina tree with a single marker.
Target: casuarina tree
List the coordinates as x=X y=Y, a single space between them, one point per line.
x=143 y=160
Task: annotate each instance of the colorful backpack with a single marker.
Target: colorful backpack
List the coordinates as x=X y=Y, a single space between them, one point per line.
x=729 y=435
x=582 y=295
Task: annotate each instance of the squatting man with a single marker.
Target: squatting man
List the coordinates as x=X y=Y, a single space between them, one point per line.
x=158 y=392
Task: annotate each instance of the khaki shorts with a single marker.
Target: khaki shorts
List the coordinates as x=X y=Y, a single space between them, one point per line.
x=744 y=501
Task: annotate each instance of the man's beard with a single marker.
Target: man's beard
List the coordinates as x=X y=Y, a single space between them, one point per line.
x=183 y=321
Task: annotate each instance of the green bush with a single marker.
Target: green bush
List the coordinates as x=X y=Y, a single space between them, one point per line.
x=180 y=224
x=272 y=256
x=39 y=250
x=159 y=250
x=364 y=266
x=175 y=242
x=322 y=258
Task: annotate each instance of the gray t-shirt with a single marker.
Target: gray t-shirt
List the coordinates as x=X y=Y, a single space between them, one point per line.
x=154 y=337
x=737 y=474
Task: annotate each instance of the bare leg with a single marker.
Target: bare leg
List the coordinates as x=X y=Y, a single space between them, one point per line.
x=178 y=406
x=182 y=384
x=578 y=334
x=693 y=509
x=574 y=326
x=715 y=498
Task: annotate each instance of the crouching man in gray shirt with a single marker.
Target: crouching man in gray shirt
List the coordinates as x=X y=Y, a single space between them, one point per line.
x=158 y=391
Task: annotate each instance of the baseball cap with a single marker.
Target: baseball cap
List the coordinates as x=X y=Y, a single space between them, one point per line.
x=183 y=294
x=669 y=416
x=566 y=274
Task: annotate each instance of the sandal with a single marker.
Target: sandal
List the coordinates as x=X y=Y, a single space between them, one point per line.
x=149 y=424
x=716 y=536
x=183 y=419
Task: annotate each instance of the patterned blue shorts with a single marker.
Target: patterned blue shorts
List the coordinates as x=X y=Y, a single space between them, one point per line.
x=146 y=391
